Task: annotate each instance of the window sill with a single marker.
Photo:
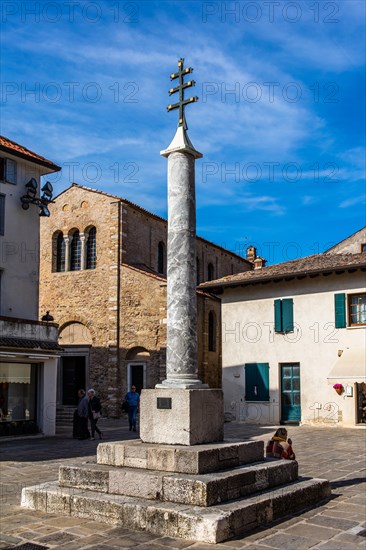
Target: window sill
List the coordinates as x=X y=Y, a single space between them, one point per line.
x=257 y=401
x=356 y=327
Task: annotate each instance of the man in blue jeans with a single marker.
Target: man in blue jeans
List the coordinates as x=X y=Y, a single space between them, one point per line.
x=132 y=398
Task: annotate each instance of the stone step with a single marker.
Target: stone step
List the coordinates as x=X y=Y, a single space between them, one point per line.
x=195 y=459
x=196 y=490
x=214 y=524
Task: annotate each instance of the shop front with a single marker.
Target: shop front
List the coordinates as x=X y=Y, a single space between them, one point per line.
x=18 y=398
x=28 y=375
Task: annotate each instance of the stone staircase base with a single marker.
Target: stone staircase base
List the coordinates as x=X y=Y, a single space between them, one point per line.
x=208 y=492
x=211 y=524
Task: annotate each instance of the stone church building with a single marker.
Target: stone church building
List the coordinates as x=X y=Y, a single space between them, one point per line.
x=103 y=279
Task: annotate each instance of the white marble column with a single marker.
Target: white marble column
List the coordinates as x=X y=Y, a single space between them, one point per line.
x=83 y=251
x=67 y=241
x=182 y=278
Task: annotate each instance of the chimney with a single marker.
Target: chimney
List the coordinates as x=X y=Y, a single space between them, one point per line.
x=251 y=253
x=259 y=263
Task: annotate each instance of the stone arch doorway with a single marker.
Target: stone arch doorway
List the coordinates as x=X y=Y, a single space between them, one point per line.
x=76 y=340
x=137 y=360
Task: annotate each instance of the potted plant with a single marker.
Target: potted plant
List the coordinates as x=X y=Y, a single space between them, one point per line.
x=339 y=388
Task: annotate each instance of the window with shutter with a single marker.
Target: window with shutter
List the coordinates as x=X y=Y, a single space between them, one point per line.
x=278 y=315
x=284 y=315
x=257 y=381
x=340 y=310
x=287 y=315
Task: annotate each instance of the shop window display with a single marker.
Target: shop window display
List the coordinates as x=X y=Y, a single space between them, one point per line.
x=17 y=398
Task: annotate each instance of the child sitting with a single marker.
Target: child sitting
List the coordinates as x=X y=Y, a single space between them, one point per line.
x=279 y=446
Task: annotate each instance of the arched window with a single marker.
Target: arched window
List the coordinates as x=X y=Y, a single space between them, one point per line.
x=210 y=272
x=211 y=331
x=60 y=252
x=198 y=271
x=161 y=257
x=75 y=252
x=91 y=249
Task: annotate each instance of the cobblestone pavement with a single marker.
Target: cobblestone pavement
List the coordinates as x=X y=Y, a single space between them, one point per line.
x=333 y=453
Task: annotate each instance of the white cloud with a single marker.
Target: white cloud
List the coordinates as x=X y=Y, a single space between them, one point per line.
x=351 y=202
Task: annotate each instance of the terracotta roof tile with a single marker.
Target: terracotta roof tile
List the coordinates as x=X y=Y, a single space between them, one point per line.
x=317 y=263
x=11 y=147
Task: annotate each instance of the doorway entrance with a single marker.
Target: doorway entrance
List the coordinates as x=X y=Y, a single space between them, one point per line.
x=361 y=403
x=290 y=393
x=136 y=376
x=73 y=378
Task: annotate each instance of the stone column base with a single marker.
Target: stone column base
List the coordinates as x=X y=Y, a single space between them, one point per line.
x=181 y=416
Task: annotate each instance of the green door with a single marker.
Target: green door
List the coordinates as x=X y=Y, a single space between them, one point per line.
x=290 y=392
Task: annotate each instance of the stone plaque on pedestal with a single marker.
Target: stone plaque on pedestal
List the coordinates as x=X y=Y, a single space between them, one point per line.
x=195 y=416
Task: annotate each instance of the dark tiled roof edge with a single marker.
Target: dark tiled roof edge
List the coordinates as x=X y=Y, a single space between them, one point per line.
x=295 y=268
x=25 y=343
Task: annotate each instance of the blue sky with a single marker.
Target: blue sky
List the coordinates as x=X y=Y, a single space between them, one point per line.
x=280 y=120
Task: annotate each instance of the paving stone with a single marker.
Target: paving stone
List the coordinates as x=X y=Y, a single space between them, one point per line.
x=57 y=538
x=63 y=522
x=150 y=546
x=350 y=539
x=122 y=543
x=358 y=500
x=9 y=538
x=174 y=543
x=336 y=523
x=289 y=542
x=116 y=532
x=46 y=530
x=334 y=545
x=310 y=530
x=29 y=535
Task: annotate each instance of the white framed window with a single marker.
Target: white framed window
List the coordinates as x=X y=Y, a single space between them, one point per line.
x=8 y=170
x=2 y=214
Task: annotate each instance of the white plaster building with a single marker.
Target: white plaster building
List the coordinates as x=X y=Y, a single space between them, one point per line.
x=28 y=347
x=290 y=332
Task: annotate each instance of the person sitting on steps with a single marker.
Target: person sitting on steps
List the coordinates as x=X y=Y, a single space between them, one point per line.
x=279 y=446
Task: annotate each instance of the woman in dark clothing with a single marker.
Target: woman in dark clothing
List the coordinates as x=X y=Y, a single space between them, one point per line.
x=94 y=408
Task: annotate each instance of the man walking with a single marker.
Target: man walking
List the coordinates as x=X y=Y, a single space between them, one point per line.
x=82 y=413
x=132 y=398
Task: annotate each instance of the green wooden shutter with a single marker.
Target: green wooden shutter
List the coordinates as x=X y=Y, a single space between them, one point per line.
x=278 y=315
x=257 y=381
x=287 y=315
x=340 y=310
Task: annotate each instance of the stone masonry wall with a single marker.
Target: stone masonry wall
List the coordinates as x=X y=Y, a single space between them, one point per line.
x=142 y=233
x=87 y=296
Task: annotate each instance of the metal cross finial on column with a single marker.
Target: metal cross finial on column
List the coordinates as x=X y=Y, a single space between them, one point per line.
x=181 y=104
